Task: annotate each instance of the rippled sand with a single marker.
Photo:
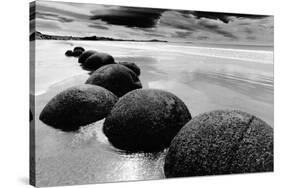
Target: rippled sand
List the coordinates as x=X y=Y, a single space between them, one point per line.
x=204 y=78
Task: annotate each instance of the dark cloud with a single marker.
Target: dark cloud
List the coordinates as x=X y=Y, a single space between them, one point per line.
x=51 y=16
x=130 y=17
x=224 y=17
x=98 y=26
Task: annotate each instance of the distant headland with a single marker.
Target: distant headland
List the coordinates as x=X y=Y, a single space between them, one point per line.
x=40 y=36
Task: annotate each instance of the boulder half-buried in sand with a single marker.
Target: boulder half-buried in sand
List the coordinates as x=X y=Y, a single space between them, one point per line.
x=78 y=106
x=116 y=78
x=221 y=142
x=145 y=120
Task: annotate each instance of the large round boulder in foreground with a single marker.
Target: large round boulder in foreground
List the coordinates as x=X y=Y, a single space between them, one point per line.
x=132 y=66
x=97 y=60
x=85 y=55
x=116 y=78
x=221 y=142
x=145 y=120
x=78 y=106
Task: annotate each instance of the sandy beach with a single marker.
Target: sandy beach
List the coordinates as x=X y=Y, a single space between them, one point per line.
x=205 y=77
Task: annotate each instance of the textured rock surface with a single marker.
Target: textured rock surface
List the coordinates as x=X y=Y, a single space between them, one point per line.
x=116 y=78
x=221 y=142
x=85 y=55
x=97 y=60
x=78 y=106
x=145 y=120
x=132 y=66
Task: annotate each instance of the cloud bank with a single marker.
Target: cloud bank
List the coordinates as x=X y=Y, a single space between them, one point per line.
x=78 y=19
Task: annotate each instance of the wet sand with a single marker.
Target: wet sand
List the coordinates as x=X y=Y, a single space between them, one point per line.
x=204 y=82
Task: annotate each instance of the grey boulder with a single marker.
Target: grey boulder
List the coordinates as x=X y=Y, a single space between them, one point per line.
x=145 y=120
x=116 y=78
x=77 y=106
x=221 y=142
x=132 y=66
x=97 y=60
x=85 y=55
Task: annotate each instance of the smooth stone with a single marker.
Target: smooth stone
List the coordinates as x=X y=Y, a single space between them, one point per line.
x=97 y=60
x=221 y=142
x=85 y=55
x=78 y=106
x=69 y=53
x=116 y=78
x=145 y=120
x=132 y=66
x=79 y=48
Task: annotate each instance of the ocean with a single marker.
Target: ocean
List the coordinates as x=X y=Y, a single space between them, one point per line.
x=205 y=77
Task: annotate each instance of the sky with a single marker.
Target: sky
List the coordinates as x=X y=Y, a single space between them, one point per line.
x=80 y=19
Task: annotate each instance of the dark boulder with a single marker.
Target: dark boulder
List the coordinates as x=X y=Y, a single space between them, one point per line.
x=78 y=106
x=145 y=120
x=85 y=55
x=221 y=142
x=77 y=53
x=116 y=78
x=69 y=53
x=79 y=48
x=97 y=60
x=132 y=66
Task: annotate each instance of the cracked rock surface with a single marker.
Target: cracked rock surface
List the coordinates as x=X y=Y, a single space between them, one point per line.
x=221 y=142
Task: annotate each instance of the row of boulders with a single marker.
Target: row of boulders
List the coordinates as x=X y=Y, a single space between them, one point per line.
x=147 y=120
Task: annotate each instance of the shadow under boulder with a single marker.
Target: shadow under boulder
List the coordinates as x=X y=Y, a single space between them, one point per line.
x=221 y=142
x=145 y=120
x=78 y=106
x=116 y=78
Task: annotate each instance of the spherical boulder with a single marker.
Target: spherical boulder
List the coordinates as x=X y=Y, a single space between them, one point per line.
x=78 y=106
x=145 y=120
x=132 y=66
x=221 y=142
x=79 y=48
x=97 y=60
x=85 y=55
x=69 y=53
x=116 y=78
